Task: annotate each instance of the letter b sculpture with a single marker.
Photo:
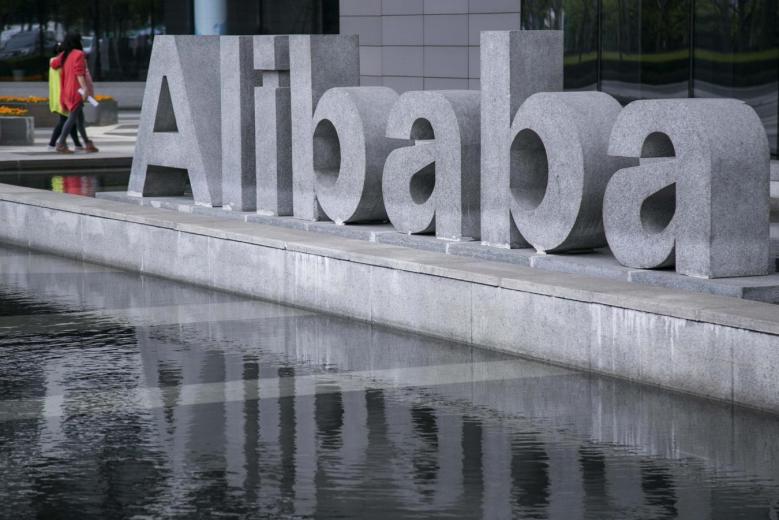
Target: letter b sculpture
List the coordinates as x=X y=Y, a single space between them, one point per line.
x=560 y=168
x=349 y=152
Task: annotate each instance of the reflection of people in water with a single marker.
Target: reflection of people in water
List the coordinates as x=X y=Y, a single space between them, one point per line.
x=85 y=185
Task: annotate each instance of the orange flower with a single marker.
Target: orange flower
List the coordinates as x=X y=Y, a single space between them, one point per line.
x=10 y=111
x=28 y=99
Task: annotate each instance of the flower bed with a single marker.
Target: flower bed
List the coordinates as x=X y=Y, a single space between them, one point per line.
x=106 y=113
x=6 y=111
x=37 y=107
x=17 y=99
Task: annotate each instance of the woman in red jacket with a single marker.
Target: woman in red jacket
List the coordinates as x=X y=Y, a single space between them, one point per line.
x=73 y=63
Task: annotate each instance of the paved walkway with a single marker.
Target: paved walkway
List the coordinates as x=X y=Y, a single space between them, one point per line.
x=116 y=144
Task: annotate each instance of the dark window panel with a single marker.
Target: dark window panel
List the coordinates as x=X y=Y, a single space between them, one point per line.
x=118 y=34
x=646 y=48
x=736 y=55
x=579 y=19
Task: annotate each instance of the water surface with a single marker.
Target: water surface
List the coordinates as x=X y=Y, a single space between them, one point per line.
x=127 y=396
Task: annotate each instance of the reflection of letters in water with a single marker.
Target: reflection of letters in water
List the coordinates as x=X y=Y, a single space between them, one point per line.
x=681 y=182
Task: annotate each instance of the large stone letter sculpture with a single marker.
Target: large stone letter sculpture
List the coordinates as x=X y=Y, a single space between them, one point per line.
x=514 y=65
x=706 y=205
x=434 y=184
x=349 y=152
x=272 y=124
x=238 y=79
x=179 y=132
x=560 y=168
x=317 y=63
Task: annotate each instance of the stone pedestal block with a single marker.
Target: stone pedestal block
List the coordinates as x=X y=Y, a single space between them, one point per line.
x=349 y=152
x=317 y=63
x=560 y=167
x=700 y=196
x=17 y=131
x=105 y=113
x=273 y=146
x=179 y=133
x=514 y=66
x=434 y=184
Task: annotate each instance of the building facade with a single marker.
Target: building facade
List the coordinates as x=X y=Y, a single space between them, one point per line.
x=631 y=49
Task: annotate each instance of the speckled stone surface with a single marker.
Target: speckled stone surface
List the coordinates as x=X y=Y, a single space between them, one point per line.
x=560 y=167
x=514 y=66
x=707 y=208
x=317 y=63
x=273 y=139
x=179 y=134
x=350 y=148
x=434 y=185
x=238 y=79
x=598 y=262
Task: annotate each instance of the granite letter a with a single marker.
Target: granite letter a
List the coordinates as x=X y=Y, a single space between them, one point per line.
x=434 y=184
x=700 y=195
x=179 y=133
x=514 y=66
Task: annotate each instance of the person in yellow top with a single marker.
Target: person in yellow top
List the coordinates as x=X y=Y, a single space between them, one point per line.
x=56 y=106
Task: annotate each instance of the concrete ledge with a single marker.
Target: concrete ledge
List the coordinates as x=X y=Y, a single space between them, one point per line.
x=713 y=346
x=598 y=263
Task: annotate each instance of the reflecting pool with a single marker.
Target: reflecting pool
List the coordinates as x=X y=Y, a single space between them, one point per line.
x=127 y=396
x=72 y=183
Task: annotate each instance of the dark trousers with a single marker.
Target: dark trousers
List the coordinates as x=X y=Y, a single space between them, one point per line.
x=58 y=131
x=75 y=120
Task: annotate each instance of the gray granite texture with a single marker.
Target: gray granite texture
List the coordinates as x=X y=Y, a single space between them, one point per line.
x=350 y=148
x=179 y=132
x=599 y=263
x=560 y=167
x=238 y=80
x=317 y=63
x=272 y=138
x=700 y=197
x=434 y=185
x=514 y=66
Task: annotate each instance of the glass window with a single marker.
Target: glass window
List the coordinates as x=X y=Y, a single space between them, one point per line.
x=736 y=55
x=579 y=19
x=645 y=48
x=118 y=34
